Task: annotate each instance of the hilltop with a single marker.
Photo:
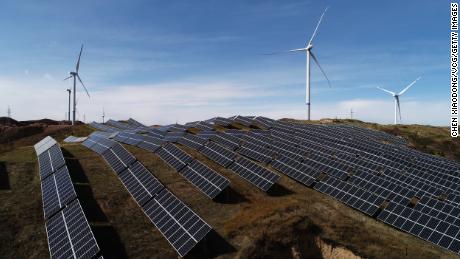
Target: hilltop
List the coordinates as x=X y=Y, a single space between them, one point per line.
x=290 y=221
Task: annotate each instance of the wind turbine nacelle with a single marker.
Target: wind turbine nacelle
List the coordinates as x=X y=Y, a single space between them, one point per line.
x=73 y=73
x=309 y=47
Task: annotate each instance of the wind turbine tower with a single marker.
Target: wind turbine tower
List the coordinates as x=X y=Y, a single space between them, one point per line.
x=396 y=98
x=70 y=93
x=76 y=76
x=103 y=115
x=308 y=50
x=9 y=111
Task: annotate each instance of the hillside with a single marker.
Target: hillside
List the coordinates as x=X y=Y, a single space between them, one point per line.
x=290 y=221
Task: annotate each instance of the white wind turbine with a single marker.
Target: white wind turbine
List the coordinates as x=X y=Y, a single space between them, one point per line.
x=396 y=97
x=309 y=53
x=76 y=76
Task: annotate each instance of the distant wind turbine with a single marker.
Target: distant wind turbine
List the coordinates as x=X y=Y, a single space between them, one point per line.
x=396 y=97
x=70 y=93
x=307 y=49
x=76 y=76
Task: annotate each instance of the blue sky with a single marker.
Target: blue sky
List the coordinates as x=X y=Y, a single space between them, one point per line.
x=168 y=61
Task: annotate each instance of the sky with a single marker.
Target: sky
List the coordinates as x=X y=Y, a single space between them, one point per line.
x=164 y=62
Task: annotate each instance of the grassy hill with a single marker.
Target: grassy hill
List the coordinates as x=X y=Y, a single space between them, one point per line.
x=291 y=221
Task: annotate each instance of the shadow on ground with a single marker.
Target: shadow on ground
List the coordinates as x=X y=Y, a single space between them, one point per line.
x=107 y=237
x=213 y=245
x=278 y=190
x=4 y=178
x=230 y=196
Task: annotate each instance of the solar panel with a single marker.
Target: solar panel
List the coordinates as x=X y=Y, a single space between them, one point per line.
x=179 y=224
x=207 y=134
x=119 y=125
x=174 y=156
x=205 y=179
x=69 y=234
x=177 y=128
x=44 y=145
x=174 y=136
x=150 y=143
x=254 y=173
x=57 y=192
x=226 y=140
x=256 y=152
x=218 y=154
x=192 y=141
x=351 y=195
x=140 y=183
x=154 y=132
x=50 y=161
x=294 y=170
x=123 y=154
x=424 y=226
x=115 y=162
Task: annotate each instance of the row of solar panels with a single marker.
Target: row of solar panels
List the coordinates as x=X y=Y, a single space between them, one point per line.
x=446 y=181
x=68 y=231
x=361 y=175
x=178 y=223
x=207 y=180
x=431 y=219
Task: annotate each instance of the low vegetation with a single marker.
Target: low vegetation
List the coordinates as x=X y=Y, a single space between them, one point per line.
x=290 y=221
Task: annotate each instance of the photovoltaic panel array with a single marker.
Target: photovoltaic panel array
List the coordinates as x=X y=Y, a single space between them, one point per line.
x=69 y=234
x=363 y=168
x=202 y=177
x=120 y=125
x=179 y=224
x=248 y=170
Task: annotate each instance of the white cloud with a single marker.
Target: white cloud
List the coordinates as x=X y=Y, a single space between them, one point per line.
x=182 y=102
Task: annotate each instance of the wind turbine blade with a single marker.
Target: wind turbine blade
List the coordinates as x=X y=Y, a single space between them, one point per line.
x=320 y=68
x=79 y=56
x=411 y=84
x=317 y=26
x=385 y=90
x=79 y=79
x=399 y=107
x=67 y=78
x=293 y=50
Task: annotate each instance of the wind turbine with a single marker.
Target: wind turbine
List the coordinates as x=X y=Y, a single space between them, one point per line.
x=309 y=53
x=103 y=114
x=76 y=76
x=396 y=97
x=68 y=115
